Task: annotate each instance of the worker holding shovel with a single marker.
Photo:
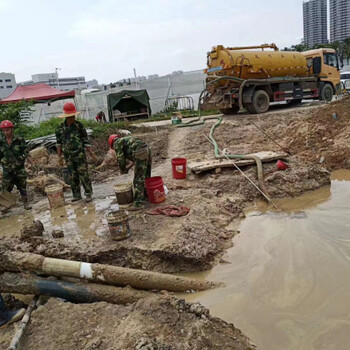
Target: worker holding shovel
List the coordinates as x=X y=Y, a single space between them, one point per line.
x=13 y=154
x=72 y=141
x=131 y=151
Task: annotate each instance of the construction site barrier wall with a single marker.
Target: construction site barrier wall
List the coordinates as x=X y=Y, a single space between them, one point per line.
x=184 y=84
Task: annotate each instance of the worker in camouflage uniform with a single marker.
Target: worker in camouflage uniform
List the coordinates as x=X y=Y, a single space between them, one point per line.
x=13 y=154
x=72 y=141
x=131 y=151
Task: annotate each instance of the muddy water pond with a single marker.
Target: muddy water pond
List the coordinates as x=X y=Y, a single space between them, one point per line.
x=288 y=275
x=78 y=220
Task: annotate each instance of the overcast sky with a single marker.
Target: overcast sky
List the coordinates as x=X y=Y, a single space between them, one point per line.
x=106 y=39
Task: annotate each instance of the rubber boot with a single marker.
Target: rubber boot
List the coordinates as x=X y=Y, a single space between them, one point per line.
x=136 y=206
x=6 y=316
x=25 y=203
x=75 y=199
x=11 y=316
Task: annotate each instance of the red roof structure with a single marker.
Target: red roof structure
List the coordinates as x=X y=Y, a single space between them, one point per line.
x=39 y=93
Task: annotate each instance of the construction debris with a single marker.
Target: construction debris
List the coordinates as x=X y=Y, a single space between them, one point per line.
x=48 y=141
x=57 y=233
x=39 y=155
x=265 y=156
x=20 y=330
x=35 y=229
x=42 y=181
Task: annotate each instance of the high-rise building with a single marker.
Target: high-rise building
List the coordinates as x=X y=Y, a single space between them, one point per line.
x=339 y=19
x=315 y=22
x=7 y=84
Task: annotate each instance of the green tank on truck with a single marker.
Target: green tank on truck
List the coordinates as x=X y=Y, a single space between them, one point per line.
x=253 y=77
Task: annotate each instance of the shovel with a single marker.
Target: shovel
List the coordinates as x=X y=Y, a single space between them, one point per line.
x=7 y=199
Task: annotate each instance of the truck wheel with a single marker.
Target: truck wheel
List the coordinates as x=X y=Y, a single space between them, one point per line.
x=249 y=108
x=260 y=102
x=326 y=93
x=229 y=111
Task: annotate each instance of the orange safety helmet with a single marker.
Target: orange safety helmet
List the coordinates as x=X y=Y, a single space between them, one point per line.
x=69 y=110
x=111 y=139
x=6 y=124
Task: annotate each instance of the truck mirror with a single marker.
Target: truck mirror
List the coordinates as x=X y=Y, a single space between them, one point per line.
x=316 y=64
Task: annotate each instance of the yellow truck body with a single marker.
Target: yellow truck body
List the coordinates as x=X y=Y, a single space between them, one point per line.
x=252 y=77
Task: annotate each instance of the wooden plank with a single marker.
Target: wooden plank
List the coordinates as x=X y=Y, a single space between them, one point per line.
x=266 y=156
x=125 y=117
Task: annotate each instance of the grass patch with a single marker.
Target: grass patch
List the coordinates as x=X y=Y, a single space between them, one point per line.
x=49 y=127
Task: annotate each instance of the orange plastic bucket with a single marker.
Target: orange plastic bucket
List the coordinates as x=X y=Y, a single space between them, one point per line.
x=155 y=189
x=179 y=168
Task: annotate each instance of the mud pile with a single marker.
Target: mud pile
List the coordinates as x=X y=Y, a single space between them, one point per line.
x=239 y=136
x=159 y=243
x=323 y=136
x=156 y=323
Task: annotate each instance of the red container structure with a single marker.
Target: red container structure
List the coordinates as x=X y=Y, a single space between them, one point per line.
x=281 y=165
x=179 y=168
x=155 y=189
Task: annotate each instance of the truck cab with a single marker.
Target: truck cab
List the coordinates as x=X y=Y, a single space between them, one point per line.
x=324 y=64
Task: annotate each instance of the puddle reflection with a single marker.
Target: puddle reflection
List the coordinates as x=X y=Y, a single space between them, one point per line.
x=78 y=220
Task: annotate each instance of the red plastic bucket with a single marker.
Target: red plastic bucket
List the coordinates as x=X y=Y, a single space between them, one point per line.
x=155 y=189
x=179 y=168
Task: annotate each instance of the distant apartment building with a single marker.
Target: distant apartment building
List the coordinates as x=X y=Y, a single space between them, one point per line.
x=7 y=84
x=63 y=84
x=315 y=22
x=339 y=20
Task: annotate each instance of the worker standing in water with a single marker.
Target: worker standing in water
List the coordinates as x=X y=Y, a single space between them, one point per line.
x=72 y=141
x=131 y=151
x=13 y=154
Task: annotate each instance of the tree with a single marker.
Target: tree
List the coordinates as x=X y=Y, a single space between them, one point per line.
x=18 y=113
x=344 y=48
x=298 y=47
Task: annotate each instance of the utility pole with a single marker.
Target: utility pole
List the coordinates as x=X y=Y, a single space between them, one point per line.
x=136 y=82
x=58 y=83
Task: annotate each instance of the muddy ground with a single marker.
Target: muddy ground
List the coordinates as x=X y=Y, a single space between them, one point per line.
x=155 y=323
x=318 y=142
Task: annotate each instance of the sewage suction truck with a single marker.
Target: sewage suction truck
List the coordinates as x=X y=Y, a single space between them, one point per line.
x=253 y=77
